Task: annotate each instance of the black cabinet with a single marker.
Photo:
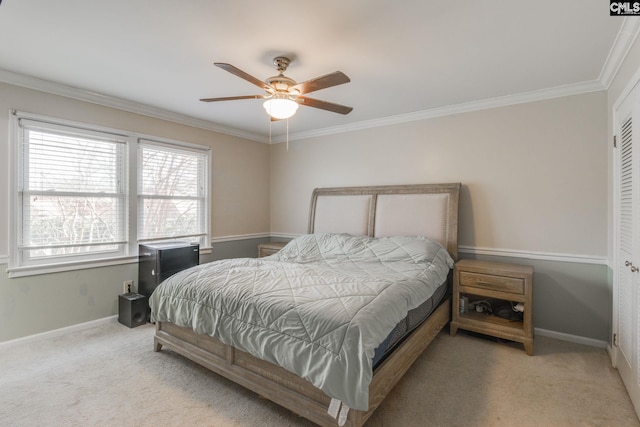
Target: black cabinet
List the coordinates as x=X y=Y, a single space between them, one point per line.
x=158 y=261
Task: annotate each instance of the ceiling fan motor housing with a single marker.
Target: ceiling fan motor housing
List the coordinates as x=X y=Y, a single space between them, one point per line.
x=281 y=63
x=282 y=84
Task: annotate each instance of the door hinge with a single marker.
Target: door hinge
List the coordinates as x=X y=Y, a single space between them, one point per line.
x=615 y=340
x=615 y=142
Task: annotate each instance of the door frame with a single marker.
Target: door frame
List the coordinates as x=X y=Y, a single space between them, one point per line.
x=626 y=92
x=631 y=90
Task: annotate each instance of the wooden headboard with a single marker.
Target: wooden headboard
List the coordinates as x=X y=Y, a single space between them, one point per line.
x=429 y=210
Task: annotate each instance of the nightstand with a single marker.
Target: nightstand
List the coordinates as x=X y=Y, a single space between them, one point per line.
x=266 y=249
x=480 y=281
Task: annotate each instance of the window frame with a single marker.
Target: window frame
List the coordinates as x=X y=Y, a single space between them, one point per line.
x=203 y=194
x=129 y=254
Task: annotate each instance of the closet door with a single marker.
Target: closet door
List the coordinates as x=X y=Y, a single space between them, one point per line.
x=627 y=240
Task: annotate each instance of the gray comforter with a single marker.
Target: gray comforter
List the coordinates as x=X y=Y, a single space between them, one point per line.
x=318 y=308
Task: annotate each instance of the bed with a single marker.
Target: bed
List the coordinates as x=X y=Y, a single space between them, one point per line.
x=369 y=216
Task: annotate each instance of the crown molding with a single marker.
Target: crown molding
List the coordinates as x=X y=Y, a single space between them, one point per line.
x=121 y=104
x=627 y=35
x=622 y=44
x=625 y=38
x=502 y=101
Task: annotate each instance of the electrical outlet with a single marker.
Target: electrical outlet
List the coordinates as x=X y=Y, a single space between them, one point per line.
x=127 y=286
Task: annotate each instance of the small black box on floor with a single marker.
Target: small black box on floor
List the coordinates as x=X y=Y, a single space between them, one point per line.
x=132 y=309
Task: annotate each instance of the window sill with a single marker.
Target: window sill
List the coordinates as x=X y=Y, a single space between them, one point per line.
x=34 y=270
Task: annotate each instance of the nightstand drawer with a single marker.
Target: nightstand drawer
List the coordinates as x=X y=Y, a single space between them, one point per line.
x=266 y=249
x=498 y=283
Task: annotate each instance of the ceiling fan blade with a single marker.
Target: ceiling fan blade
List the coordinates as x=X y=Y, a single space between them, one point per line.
x=329 y=80
x=238 y=72
x=324 y=105
x=232 y=98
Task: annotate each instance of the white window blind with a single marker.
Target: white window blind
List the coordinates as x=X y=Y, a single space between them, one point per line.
x=84 y=195
x=172 y=192
x=72 y=193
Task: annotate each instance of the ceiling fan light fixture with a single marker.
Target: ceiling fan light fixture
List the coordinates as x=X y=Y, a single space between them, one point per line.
x=283 y=94
x=280 y=107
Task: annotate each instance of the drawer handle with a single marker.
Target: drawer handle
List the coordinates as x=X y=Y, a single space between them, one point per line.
x=485 y=283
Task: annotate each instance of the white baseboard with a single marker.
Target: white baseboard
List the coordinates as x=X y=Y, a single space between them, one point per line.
x=58 y=332
x=611 y=355
x=572 y=338
x=112 y=319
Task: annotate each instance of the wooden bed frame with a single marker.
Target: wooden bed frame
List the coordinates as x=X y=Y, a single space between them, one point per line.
x=428 y=209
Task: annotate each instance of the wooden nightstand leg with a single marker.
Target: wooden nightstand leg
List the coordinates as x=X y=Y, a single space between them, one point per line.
x=528 y=346
x=453 y=329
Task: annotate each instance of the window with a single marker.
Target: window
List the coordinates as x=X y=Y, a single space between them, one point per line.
x=172 y=191
x=76 y=200
x=72 y=194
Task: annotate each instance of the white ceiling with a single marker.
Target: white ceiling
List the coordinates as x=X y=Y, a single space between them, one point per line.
x=404 y=58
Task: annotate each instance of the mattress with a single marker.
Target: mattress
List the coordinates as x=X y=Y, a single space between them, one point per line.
x=414 y=318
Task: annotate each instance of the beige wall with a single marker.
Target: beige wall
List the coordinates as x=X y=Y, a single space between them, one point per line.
x=240 y=182
x=534 y=175
x=535 y=191
x=535 y=180
x=240 y=205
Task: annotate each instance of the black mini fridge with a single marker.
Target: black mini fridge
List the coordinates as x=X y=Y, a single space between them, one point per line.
x=158 y=261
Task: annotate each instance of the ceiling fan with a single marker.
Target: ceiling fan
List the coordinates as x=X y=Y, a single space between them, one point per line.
x=283 y=94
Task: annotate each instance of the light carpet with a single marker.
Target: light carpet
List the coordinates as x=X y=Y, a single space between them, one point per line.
x=110 y=376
